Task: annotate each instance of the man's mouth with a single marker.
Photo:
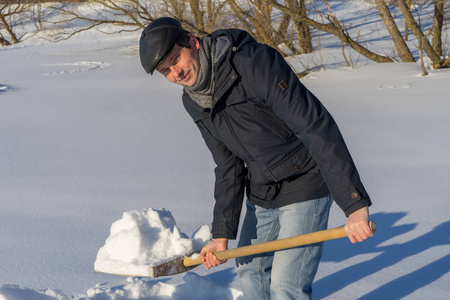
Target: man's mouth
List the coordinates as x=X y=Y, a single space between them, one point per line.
x=184 y=77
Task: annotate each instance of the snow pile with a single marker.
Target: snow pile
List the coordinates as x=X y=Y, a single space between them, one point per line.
x=15 y=292
x=146 y=289
x=134 y=288
x=143 y=238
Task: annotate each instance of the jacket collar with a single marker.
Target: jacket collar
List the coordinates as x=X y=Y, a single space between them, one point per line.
x=229 y=42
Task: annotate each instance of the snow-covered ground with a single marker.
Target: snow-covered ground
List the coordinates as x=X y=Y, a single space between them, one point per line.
x=86 y=135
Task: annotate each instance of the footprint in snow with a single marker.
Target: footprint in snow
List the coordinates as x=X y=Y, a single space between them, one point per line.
x=406 y=86
x=75 y=67
x=3 y=88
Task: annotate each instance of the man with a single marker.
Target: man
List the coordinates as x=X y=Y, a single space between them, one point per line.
x=269 y=137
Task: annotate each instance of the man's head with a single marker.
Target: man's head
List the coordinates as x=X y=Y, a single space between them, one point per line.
x=166 y=47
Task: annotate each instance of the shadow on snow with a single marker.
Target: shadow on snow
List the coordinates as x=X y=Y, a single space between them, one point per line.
x=339 y=250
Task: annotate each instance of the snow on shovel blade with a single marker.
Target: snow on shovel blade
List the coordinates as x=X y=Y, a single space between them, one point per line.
x=162 y=268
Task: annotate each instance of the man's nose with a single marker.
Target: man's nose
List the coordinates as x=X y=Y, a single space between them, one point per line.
x=176 y=70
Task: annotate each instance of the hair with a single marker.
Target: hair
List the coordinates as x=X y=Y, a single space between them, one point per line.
x=183 y=39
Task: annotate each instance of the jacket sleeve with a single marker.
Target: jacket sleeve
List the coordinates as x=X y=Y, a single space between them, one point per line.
x=229 y=182
x=273 y=81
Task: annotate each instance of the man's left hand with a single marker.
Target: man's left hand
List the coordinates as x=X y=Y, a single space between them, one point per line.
x=357 y=226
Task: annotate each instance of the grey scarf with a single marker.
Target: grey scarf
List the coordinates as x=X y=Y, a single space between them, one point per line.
x=203 y=88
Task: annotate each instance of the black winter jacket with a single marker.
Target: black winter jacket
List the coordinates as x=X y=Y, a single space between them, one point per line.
x=269 y=136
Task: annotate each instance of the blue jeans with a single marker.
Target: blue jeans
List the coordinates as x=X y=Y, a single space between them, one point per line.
x=284 y=274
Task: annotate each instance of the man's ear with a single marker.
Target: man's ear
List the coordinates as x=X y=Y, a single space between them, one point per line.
x=194 y=41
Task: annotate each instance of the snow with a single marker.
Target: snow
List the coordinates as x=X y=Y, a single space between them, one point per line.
x=88 y=139
x=146 y=238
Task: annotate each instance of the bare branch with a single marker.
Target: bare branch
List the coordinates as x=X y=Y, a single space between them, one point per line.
x=415 y=28
x=402 y=49
x=334 y=29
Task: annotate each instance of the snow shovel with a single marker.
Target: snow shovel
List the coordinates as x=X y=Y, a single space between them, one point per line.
x=184 y=264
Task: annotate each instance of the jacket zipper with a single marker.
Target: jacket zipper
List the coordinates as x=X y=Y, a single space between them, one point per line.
x=224 y=78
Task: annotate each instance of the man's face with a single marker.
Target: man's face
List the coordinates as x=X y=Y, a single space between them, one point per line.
x=182 y=65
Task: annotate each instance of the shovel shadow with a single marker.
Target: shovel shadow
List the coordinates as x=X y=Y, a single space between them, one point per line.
x=339 y=250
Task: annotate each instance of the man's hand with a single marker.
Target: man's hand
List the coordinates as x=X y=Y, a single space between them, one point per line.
x=207 y=253
x=357 y=226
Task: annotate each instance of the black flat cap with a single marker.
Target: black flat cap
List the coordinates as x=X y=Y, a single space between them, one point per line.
x=156 y=41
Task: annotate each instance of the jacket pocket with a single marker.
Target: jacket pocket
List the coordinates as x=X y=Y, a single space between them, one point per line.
x=211 y=129
x=204 y=120
x=292 y=165
x=264 y=192
x=262 y=195
x=268 y=119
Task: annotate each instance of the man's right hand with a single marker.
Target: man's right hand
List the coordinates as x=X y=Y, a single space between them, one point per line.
x=207 y=253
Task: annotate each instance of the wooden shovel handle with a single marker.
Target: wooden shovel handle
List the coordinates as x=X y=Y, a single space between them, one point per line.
x=299 y=240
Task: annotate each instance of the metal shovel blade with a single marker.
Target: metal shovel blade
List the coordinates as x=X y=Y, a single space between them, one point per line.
x=169 y=268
